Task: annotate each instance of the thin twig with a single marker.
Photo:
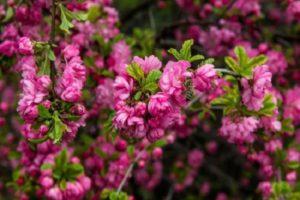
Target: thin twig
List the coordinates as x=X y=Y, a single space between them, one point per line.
x=226 y=71
x=128 y=172
x=52 y=38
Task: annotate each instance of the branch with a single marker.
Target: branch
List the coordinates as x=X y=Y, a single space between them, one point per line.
x=52 y=38
x=128 y=172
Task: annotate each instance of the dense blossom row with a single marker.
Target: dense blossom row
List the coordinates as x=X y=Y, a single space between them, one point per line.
x=94 y=113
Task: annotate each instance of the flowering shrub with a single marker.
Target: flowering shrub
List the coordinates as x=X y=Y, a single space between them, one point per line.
x=203 y=105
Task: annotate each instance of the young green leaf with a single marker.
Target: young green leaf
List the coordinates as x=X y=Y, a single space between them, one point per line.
x=242 y=56
x=151 y=87
x=44 y=112
x=135 y=71
x=58 y=130
x=232 y=64
x=65 y=23
x=153 y=76
x=256 y=61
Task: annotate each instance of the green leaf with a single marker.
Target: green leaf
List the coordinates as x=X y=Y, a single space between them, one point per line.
x=294 y=165
x=65 y=23
x=256 y=61
x=135 y=71
x=74 y=170
x=232 y=64
x=208 y=61
x=61 y=161
x=175 y=53
x=63 y=184
x=269 y=106
x=9 y=14
x=151 y=87
x=186 y=50
x=281 y=188
x=287 y=126
x=160 y=143
x=46 y=166
x=45 y=67
x=153 y=76
x=39 y=140
x=44 y=112
x=137 y=95
x=51 y=55
x=58 y=130
x=93 y=13
x=130 y=150
x=242 y=56
x=80 y=16
x=196 y=58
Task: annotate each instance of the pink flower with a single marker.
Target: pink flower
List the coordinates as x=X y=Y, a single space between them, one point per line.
x=239 y=130
x=273 y=145
x=254 y=92
x=71 y=94
x=292 y=104
x=70 y=51
x=155 y=134
x=25 y=46
x=159 y=104
x=277 y=62
x=203 y=78
x=291 y=176
x=265 y=188
x=195 y=158
x=293 y=11
x=123 y=87
x=46 y=182
x=130 y=122
x=173 y=78
x=54 y=193
x=148 y=64
x=119 y=57
x=85 y=182
x=8 y=48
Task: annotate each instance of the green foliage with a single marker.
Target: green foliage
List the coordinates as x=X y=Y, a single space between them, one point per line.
x=142 y=42
x=244 y=65
x=63 y=170
x=44 y=55
x=94 y=13
x=67 y=16
x=108 y=194
x=43 y=112
x=185 y=53
x=136 y=72
x=230 y=101
x=58 y=129
x=9 y=14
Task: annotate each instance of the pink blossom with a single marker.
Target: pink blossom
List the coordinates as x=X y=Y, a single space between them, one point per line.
x=149 y=63
x=195 y=158
x=8 y=48
x=123 y=87
x=54 y=193
x=239 y=130
x=119 y=57
x=70 y=51
x=159 y=104
x=292 y=104
x=25 y=46
x=173 y=78
x=203 y=77
x=155 y=134
x=254 y=92
x=265 y=188
x=277 y=62
x=273 y=145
